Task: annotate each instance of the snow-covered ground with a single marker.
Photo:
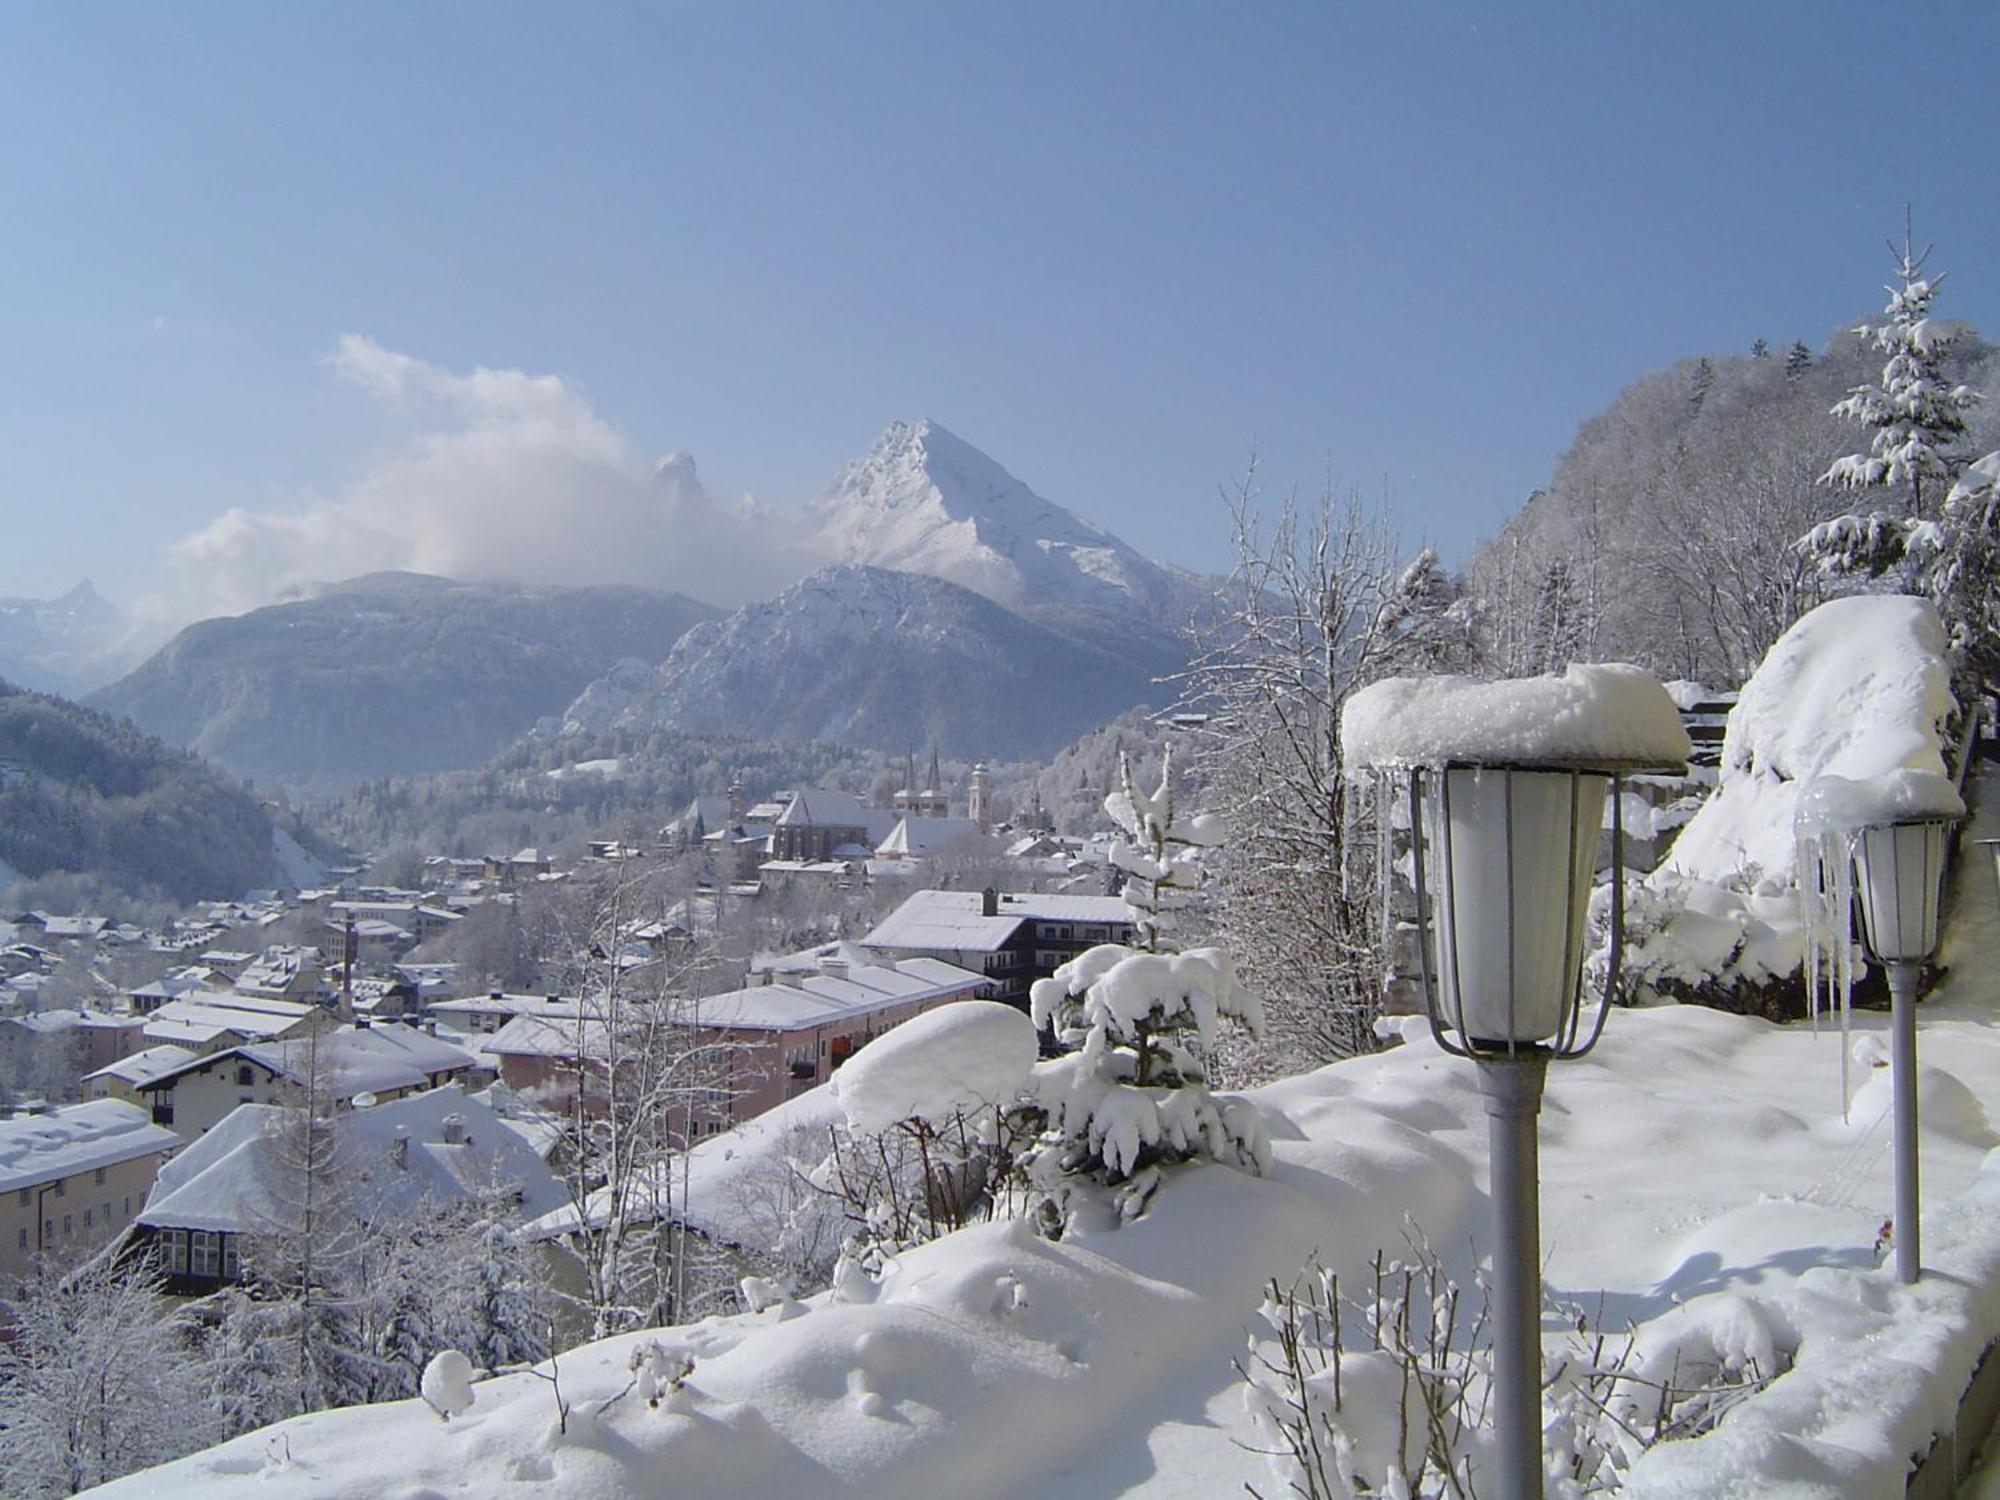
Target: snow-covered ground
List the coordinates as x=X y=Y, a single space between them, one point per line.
x=1694 y=1158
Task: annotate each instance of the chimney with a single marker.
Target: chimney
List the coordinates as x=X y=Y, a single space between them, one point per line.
x=454 y=1130
x=989 y=902
x=399 y=1152
x=833 y=966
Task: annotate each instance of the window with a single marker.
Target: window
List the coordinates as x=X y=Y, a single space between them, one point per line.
x=90 y=1218
x=232 y=1259
x=244 y=1077
x=26 y=1194
x=177 y=1251
x=107 y=1211
x=100 y=1177
x=128 y=1205
x=61 y=1187
x=24 y=1236
x=66 y=1226
x=204 y=1254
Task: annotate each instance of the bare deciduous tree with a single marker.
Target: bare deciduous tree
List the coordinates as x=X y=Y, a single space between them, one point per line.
x=1316 y=606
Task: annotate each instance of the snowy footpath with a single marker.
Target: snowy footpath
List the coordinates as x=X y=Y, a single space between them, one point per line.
x=1697 y=1168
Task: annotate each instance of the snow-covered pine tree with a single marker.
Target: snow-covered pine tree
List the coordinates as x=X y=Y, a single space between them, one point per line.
x=1917 y=414
x=1798 y=359
x=1759 y=349
x=1948 y=549
x=1132 y=1095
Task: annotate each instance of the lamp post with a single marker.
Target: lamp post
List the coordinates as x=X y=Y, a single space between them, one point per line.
x=1898 y=866
x=1507 y=784
x=1503 y=858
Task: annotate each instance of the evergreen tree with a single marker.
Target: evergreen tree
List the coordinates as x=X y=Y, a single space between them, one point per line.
x=1132 y=1095
x=1798 y=359
x=1700 y=383
x=1916 y=412
x=1760 y=350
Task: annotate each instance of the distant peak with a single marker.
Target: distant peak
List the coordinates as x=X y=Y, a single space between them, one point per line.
x=677 y=468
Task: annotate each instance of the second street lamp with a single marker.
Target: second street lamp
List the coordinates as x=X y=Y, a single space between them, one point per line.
x=1894 y=828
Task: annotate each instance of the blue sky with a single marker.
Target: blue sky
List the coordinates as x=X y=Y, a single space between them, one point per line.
x=1114 y=245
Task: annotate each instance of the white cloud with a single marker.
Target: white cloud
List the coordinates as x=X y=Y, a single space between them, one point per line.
x=508 y=476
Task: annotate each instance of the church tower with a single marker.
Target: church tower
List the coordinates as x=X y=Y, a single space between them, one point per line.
x=980 y=805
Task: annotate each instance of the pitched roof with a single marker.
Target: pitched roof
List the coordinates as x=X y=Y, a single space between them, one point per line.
x=917 y=836
x=952 y=921
x=233 y=1178
x=350 y=1061
x=143 y=1067
x=76 y=1138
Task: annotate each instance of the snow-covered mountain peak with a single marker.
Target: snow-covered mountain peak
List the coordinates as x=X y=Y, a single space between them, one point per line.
x=923 y=500
x=677 y=470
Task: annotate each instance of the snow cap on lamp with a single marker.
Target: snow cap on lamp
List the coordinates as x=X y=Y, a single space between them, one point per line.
x=1896 y=827
x=1508 y=782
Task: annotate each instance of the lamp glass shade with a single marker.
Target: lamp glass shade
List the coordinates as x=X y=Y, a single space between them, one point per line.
x=1511 y=858
x=1897 y=869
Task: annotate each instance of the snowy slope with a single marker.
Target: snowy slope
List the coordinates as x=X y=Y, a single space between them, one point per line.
x=1698 y=1179
x=881 y=660
x=923 y=500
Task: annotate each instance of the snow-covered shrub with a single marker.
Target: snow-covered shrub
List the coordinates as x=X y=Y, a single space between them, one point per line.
x=1131 y=1094
x=932 y=1117
x=1388 y=1393
x=1860 y=687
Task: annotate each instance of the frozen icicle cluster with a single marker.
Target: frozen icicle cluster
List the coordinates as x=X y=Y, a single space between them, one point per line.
x=1132 y=1094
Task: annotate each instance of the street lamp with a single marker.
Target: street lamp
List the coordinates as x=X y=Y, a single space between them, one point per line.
x=1893 y=828
x=1507 y=784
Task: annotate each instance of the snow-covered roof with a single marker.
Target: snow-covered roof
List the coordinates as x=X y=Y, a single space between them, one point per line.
x=913 y=837
x=952 y=921
x=52 y=1021
x=569 y=1035
x=198 y=1021
x=836 y=994
x=504 y=1004
x=818 y=808
x=233 y=1179
x=143 y=1067
x=1600 y=717
x=350 y=1061
x=195 y=979
x=77 y=1138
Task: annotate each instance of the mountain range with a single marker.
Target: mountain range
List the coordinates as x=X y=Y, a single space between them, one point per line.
x=878 y=659
x=68 y=644
x=959 y=608
x=963 y=611
x=390 y=673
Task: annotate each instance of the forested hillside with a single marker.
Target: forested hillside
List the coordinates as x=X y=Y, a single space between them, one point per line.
x=1667 y=534
x=87 y=795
